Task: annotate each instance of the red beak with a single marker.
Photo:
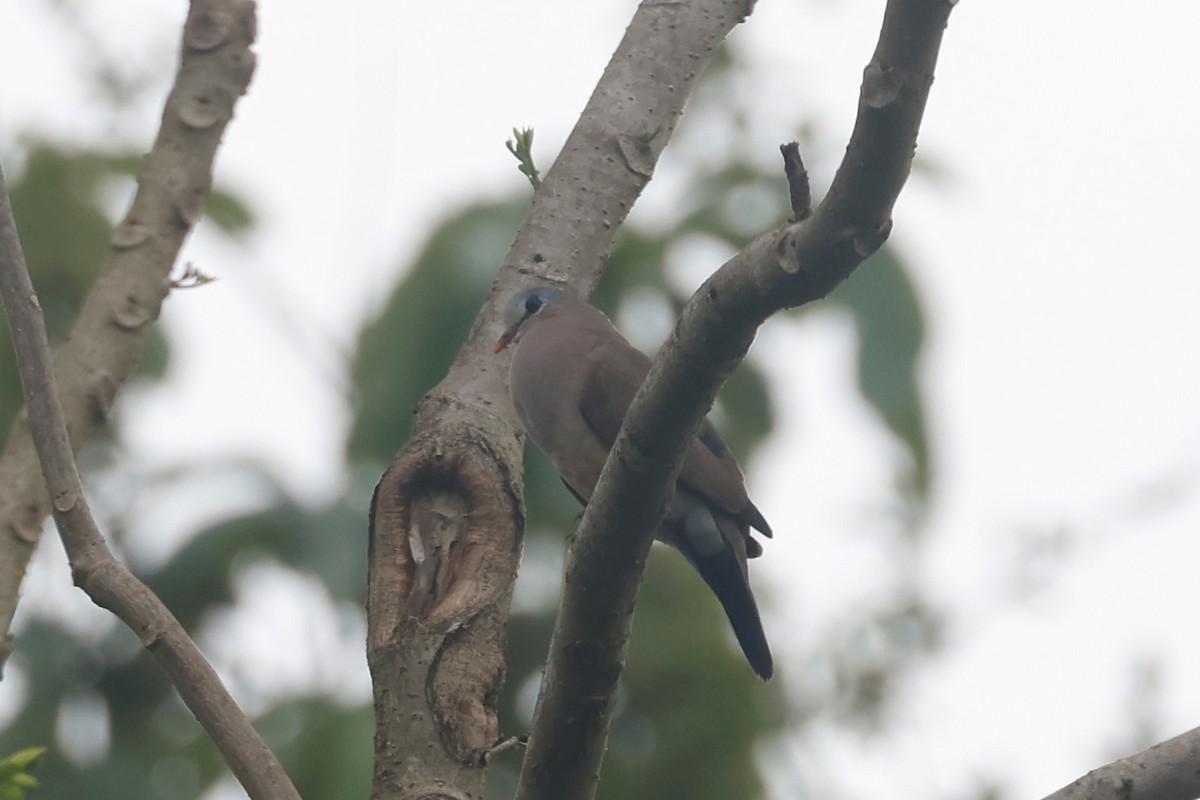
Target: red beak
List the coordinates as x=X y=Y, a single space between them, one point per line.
x=506 y=338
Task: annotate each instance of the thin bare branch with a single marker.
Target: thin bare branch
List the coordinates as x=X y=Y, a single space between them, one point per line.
x=1169 y=770
x=93 y=567
x=796 y=264
x=214 y=69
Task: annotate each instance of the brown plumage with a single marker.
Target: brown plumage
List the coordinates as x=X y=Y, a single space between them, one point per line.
x=572 y=378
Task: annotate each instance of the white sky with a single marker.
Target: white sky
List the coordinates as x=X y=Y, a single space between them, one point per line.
x=1057 y=264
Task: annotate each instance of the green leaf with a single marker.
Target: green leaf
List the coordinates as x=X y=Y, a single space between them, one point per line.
x=891 y=331
x=228 y=212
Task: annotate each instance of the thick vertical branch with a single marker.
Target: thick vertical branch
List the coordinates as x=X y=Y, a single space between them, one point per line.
x=438 y=591
x=93 y=567
x=465 y=433
x=214 y=70
x=796 y=264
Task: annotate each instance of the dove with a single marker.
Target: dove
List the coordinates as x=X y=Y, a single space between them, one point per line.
x=571 y=379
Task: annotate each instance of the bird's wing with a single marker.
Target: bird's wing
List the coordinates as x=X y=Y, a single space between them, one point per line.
x=615 y=370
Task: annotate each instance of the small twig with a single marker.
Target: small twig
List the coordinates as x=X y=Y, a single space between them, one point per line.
x=505 y=744
x=521 y=146
x=191 y=277
x=799 y=191
x=93 y=567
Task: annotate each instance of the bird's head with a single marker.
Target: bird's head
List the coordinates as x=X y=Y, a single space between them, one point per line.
x=524 y=305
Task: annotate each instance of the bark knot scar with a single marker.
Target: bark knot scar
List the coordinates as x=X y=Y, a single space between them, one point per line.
x=65 y=501
x=445 y=535
x=635 y=152
x=207 y=30
x=25 y=521
x=131 y=314
x=203 y=109
x=881 y=85
x=867 y=241
x=129 y=234
x=787 y=253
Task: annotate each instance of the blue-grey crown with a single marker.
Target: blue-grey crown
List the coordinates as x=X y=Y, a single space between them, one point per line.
x=528 y=302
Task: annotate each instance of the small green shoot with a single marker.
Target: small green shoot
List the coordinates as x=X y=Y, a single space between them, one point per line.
x=190 y=279
x=14 y=773
x=521 y=146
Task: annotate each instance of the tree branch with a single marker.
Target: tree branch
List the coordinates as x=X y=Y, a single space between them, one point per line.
x=793 y=265
x=1169 y=770
x=437 y=659
x=799 y=189
x=108 y=337
x=93 y=567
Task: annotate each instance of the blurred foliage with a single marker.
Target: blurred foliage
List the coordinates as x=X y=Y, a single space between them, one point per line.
x=408 y=349
x=690 y=712
x=883 y=303
x=328 y=542
x=59 y=203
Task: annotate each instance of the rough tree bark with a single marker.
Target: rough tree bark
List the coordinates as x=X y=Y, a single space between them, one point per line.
x=215 y=66
x=447 y=517
x=1169 y=770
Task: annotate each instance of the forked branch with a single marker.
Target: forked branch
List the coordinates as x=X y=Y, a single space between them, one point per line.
x=793 y=265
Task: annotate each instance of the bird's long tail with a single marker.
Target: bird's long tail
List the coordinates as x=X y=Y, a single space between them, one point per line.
x=724 y=574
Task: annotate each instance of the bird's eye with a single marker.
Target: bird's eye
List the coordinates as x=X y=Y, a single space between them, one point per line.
x=532 y=304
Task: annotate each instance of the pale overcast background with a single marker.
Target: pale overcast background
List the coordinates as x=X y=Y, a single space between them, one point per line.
x=1056 y=260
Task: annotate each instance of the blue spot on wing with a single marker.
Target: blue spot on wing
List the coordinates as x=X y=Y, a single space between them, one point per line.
x=714 y=443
